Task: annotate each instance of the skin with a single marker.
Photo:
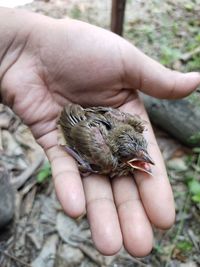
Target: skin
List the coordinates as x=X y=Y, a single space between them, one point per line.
x=46 y=63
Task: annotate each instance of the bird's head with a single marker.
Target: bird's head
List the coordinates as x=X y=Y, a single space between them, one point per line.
x=131 y=147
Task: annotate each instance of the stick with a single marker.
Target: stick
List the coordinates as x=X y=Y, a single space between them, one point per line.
x=189 y=55
x=117 y=16
x=14 y=258
x=22 y=178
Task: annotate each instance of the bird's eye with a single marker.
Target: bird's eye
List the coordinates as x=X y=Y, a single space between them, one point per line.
x=95 y=168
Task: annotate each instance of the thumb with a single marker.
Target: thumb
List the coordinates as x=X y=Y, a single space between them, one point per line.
x=154 y=79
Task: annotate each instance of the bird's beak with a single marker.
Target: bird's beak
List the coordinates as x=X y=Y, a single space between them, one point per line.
x=141 y=162
x=144 y=157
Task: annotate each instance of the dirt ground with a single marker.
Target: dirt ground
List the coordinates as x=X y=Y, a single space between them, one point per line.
x=41 y=235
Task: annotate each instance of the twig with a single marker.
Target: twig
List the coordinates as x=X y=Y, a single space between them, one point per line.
x=189 y=55
x=1 y=145
x=27 y=188
x=88 y=252
x=117 y=16
x=22 y=178
x=14 y=258
x=194 y=239
x=180 y=228
x=198 y=164
x=135 y=260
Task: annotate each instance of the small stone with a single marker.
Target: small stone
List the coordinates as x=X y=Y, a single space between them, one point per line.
x=6 y=198
x=46 y=258
x=177 y=164
x=69 y=256
x=10 y=145
x=188 y=264
x=65 y=226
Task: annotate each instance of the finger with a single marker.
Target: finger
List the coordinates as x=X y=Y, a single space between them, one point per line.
x=135 y=225
x=68 y=184
x=155 y=191
x=154 y=79
x=102 y=214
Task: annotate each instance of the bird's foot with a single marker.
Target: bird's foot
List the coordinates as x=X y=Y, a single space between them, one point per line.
x=84 y=167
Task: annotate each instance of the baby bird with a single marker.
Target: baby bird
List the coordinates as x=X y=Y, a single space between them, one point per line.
x=104 y=140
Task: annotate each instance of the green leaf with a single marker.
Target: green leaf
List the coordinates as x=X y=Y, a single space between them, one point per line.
x=196 y=150
x=194 y=187
x=197 y=37
x=184 y=246
x=169 y=55
x=196 y=198
x=158 y=248
x=195 y=138
x=44 y=173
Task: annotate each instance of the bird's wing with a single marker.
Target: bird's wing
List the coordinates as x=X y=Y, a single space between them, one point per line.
x=112 y=117
x=97 y=117
x=91 y=145
x=70 y=116
x=81 y=138
x=99 y=109
x=115 y=116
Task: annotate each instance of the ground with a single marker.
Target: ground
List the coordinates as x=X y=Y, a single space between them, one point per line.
x=41 y=235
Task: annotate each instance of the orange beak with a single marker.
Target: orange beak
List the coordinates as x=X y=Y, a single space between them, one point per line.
x=142 y=162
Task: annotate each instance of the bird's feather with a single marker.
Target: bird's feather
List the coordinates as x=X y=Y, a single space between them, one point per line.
x=93 y=135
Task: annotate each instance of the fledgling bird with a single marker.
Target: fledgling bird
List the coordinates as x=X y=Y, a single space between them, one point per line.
x=104 y=140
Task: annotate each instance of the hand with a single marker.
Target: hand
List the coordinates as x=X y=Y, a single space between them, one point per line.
x=70 y=61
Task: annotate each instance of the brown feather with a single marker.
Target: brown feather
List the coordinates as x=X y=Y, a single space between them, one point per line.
x=102 y=137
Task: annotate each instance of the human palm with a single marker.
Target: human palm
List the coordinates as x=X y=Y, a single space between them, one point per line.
x=69 y=61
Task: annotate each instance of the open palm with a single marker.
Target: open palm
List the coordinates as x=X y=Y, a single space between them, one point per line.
x=70 y=61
